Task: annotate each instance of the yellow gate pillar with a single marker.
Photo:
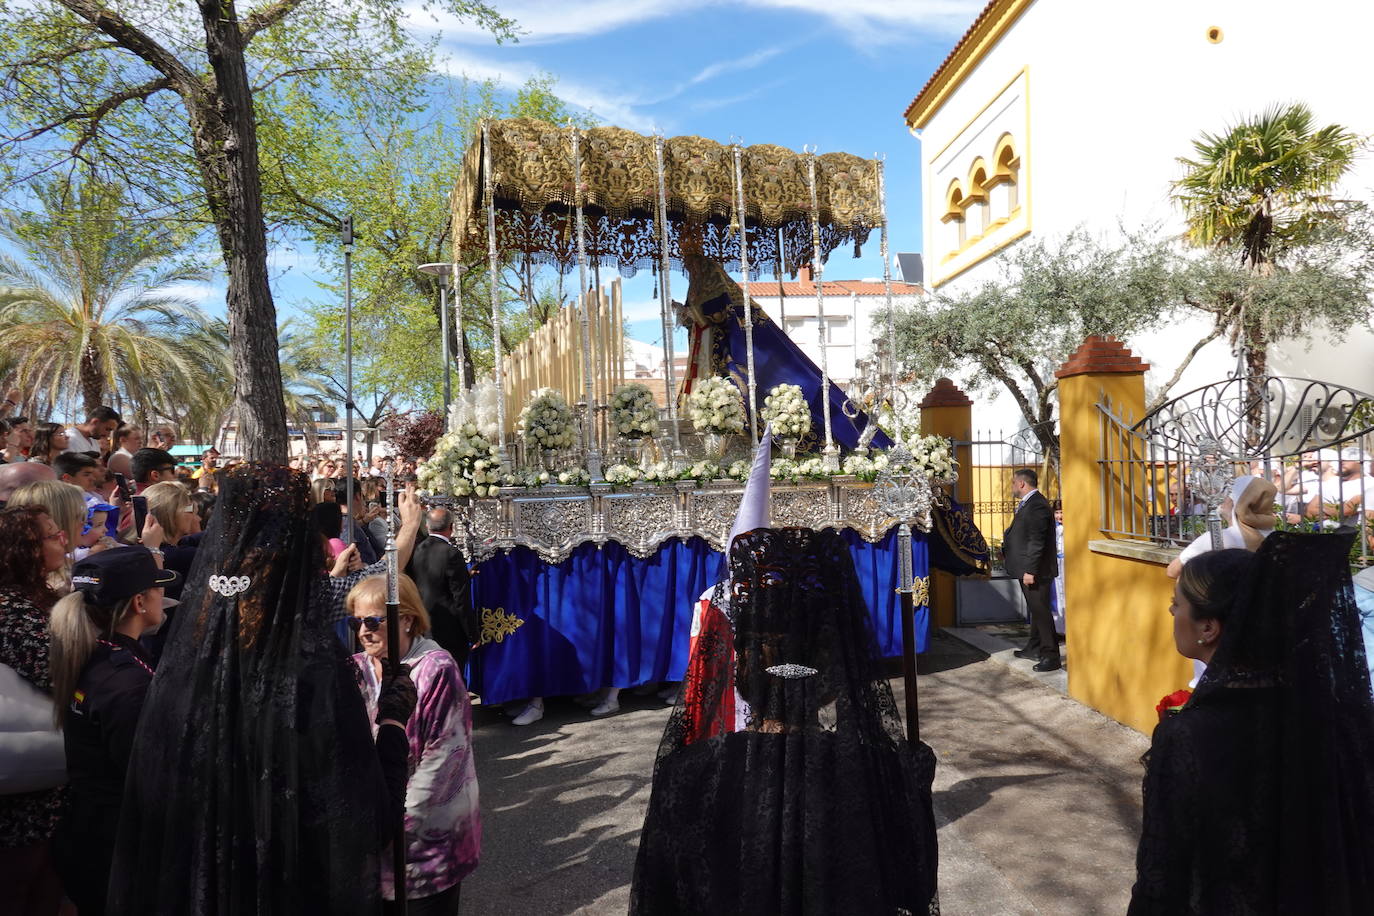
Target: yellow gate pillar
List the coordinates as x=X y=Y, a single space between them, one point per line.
x=1121 y=656
x=947 y=411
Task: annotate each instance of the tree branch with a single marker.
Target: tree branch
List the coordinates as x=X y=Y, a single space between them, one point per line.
x=133 y=39
x=265 y=18
x=93 y=115
x=1163 y=395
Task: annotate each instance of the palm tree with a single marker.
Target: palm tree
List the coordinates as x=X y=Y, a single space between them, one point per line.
x=88 y=309
x=303 y=389
x=1262 y=189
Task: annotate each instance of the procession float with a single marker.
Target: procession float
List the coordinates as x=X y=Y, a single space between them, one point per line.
x=593 y=515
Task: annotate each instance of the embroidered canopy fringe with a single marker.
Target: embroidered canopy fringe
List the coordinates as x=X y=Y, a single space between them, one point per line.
x=532 y=171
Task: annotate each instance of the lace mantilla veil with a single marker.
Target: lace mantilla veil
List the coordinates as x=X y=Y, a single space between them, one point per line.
x=1259 y=793
x=817 y=803
x=254 y=781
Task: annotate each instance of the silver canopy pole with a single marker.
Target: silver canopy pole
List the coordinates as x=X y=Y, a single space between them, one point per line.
x=456 y=273
x=584 y=300
x=493 y=269
x=738 y=152
x=878 y=168
x=666 y=302
x=831 y=456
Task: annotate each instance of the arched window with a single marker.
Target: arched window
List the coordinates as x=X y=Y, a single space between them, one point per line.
x=1004 y=185
x=976 y=215
x=953 y=219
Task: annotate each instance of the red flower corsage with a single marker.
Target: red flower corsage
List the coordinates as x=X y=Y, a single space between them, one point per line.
x=1172 y=703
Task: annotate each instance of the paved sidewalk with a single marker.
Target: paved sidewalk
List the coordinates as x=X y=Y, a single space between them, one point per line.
x=1037 y=798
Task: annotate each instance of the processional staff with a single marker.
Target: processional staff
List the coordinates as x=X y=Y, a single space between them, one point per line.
x=901 y=497
x=393 y=655
x=346 y=237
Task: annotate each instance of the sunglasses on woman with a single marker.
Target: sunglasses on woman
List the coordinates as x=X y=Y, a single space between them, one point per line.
x=373 y=624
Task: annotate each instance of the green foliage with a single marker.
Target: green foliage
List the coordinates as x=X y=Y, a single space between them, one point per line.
x=393 y=170
x=1015 y=331
x=87 y=309
x=1264 y=187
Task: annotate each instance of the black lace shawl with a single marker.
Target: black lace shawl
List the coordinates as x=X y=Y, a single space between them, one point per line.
x=1259 y=793
x=254 y=783
x=819 y=805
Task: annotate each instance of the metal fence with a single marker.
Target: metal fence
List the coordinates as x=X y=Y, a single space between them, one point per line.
x=986 y=463
x=1163 y=475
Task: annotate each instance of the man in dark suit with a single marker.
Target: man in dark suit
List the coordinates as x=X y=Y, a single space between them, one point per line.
x=441 y=575
x=1029 y=552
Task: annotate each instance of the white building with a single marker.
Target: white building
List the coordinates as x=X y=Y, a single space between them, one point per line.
x=852 y=308
x=1054 y=114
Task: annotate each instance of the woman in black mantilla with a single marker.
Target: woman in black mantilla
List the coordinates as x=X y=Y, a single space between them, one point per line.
x=254 y=785
x=1259 y=792
x=801 y=794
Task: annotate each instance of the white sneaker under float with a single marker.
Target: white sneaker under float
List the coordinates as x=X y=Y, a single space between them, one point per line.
x=610 y=702
x=607 y=707
x=532 y=713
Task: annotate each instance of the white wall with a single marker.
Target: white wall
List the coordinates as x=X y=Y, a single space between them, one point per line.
x=1116 y=92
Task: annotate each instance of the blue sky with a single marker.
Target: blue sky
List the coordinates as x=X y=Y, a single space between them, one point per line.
x=835 y=74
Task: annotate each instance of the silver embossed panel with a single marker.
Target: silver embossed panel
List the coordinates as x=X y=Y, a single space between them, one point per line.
x=552 y=527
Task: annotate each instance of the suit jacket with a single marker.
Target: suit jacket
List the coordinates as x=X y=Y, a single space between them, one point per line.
x=441 y=575
x=1028 y=546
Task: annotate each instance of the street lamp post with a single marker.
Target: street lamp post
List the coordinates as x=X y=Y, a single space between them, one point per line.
x=442 y=270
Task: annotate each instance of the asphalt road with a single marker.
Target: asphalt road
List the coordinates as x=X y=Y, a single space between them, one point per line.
x=1037 y=798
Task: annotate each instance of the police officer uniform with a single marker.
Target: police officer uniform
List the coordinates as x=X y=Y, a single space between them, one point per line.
x=100 y=725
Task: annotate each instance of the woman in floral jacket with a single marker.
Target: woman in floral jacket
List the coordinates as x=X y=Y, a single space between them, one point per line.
x=443 y=821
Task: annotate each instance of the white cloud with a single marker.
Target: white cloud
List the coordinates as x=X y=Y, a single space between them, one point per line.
x=612 y=108
x=748 y=62
x=198 y=293
x=863 y=22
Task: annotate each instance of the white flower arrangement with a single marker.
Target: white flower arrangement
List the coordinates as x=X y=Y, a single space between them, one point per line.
x=658 y=472
x=787 y=469
x=574 y=477
x=464 y=463
x=865 y=468
x=621 y=474
x=547 y=421
x=786 y=409
x=702 y=471
x=477 y=407
x=934 y=455
x=715 y=406
x=634 y=415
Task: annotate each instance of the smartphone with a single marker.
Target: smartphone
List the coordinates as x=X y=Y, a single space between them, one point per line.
x=122 y=487
x=140 y=514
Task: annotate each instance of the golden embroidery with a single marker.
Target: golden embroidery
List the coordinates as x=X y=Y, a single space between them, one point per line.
x=920 y=591
x=497 y=625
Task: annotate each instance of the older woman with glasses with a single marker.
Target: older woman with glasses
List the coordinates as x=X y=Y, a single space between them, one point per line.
x=443 y=823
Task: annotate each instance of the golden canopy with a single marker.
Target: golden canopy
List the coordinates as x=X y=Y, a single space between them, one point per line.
x=532 y=177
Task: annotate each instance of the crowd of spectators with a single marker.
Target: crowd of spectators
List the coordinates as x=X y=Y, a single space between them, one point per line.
x=100 y=525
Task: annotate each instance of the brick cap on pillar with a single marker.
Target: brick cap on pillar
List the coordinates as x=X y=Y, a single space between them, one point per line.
x=946 y=394
x=1101 y=354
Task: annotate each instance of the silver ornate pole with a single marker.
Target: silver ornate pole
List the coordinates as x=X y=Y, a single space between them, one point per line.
x=903 y=492
x=738 y=152
x=347 y=237
x=831 y=456
x=393 y=653
x=666 y=302
x=588 y=388
x=1211 y=474
x=878 y=168
x=493 y=268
